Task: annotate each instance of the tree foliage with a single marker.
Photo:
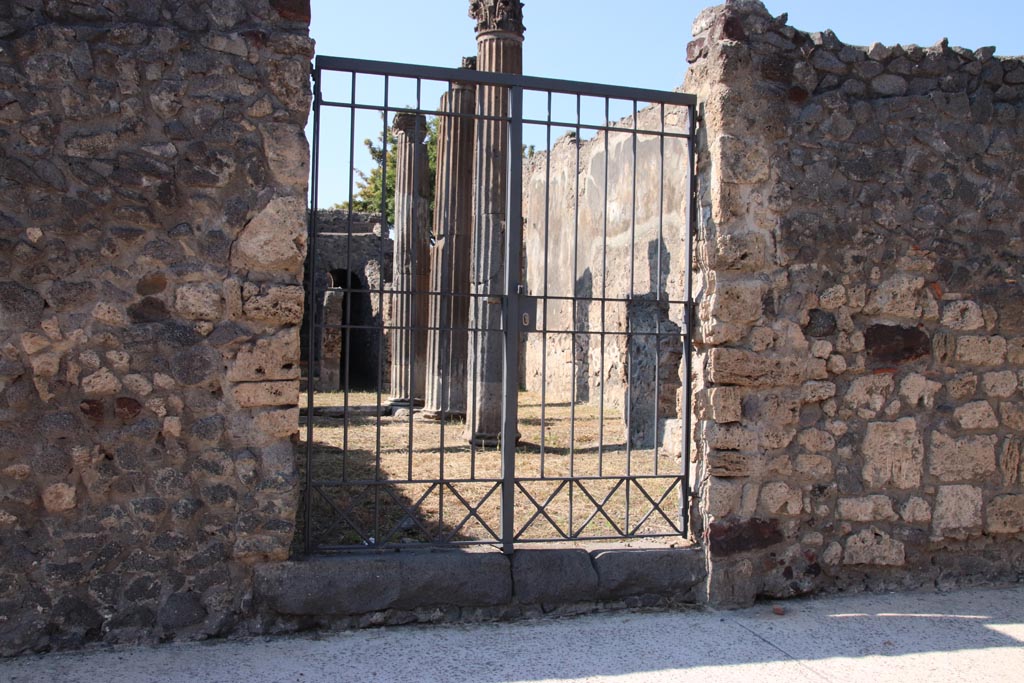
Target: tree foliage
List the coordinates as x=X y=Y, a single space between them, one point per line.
x=380 y=181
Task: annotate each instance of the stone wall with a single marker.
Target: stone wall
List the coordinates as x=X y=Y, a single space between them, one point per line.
x=592 y=253
x=153 y=173
x=356 y=254
x=862 y=333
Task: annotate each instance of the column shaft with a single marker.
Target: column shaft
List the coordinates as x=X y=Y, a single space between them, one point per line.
x=411 y=275
x=450 y=256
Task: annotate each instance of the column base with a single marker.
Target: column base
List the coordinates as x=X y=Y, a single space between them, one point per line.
x=483 y=440
x=436 y=415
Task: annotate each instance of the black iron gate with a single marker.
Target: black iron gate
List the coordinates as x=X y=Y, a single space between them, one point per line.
x=595 y=302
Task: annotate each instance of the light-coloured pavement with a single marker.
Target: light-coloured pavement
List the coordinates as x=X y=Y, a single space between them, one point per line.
x=969 y=635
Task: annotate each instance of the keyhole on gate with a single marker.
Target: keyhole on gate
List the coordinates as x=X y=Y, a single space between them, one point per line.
x=526 y=319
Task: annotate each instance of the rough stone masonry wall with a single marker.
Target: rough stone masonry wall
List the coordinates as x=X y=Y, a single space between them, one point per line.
x=862 y=324
x=153 y=173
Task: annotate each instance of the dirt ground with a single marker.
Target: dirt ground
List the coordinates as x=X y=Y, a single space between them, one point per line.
x=401 y=479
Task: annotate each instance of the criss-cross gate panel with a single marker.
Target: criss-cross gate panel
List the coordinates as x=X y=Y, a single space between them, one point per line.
x=496 y=341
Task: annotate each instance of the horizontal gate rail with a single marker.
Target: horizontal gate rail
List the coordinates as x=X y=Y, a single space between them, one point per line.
x=578 y=457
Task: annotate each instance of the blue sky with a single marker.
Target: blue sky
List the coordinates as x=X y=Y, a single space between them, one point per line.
x=640 y=43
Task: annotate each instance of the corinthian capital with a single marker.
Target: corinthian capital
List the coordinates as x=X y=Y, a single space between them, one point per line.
x=498 y=15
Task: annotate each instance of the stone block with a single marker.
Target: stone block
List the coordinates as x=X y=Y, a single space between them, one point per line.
x=273 y=358
x=976 y=415
x=875 y=547
x=916 y=511
x=731 y=464
x=866 y=509
x=728 y=437
x=896 y=297
x=814 y=467
x=1005 y=515
x=1015 y=351
x=670 y=572
x=999 y=384
x=965 y=459
x=287 y=154
x=199 y=301
x=1013 y=416
x=816 y=441
x=277 y=423
x=101 y=383
x=778 y=498
x=744 y=251
x=722 y=496
x=342 y=586
x=737 y=301
x=868 y=394
x=722 y=404
x=274 y=241
x=1010 y=459
x=918 y=390
x=739 y=161
x=816 y=391
x=255 y=394
x=893 y=454
x=983 y=351
x=281 y=305
x=59 y=498
x=553 y=576
x=963 y=316
x=957 y=508
x=746 y=368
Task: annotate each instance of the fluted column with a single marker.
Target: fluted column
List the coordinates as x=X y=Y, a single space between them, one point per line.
x=450 y=254
x=411 y=274
x=499 y=29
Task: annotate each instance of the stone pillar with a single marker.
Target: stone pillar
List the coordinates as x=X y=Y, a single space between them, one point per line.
x=331 y=376
x=450 y=256
x=411 y=274
x=499 y=29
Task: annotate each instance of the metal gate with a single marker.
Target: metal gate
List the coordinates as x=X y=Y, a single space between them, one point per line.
x=587 y=326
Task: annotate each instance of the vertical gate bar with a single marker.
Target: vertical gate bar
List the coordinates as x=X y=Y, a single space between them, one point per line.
x=575 y=274
x=413 y=305
x=544 y=301
x=311 y=304
x=604 y=293
x=657 y=287
x=629 y=320
x=384 y=217
x=510 y=384
x=691 y=221
x=347 y=303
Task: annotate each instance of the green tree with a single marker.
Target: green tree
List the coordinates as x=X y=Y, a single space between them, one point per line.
x=380 y=181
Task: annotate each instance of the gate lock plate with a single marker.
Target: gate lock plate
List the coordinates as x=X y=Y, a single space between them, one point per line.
x=527 y=314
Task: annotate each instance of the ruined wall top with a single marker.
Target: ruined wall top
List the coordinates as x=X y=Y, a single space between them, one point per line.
x=498 y=15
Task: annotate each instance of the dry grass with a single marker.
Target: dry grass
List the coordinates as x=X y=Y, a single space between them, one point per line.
x=378 y=477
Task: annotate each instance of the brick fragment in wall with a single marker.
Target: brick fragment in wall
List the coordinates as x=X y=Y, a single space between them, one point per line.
x=731 y=536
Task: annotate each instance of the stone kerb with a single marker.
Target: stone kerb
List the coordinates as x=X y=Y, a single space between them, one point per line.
x=860 y=328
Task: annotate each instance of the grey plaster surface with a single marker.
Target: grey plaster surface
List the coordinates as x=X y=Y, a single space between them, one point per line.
x=968 y=635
